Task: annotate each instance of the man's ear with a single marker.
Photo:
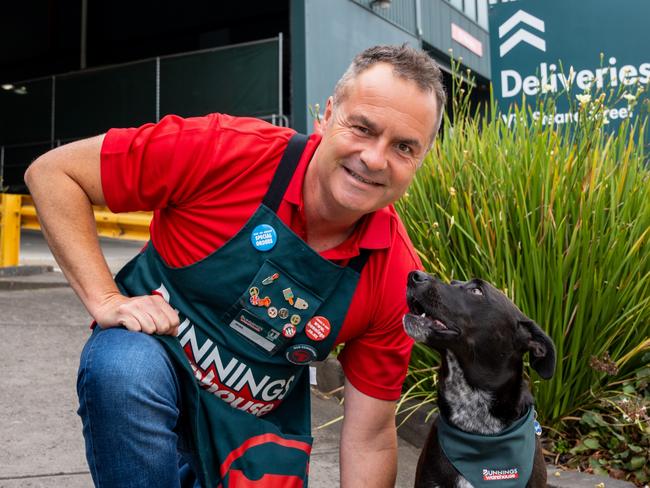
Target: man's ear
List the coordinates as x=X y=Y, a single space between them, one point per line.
x=540 y=346
x=329 y=112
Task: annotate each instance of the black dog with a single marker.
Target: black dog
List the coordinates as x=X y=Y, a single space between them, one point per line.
x=484 y=401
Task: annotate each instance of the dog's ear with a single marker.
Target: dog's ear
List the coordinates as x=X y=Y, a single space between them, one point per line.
x=540 y=346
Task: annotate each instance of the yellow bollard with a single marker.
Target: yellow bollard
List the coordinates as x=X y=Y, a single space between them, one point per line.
x=9 y=229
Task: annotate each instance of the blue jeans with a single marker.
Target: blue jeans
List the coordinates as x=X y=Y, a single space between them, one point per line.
x=129 y=404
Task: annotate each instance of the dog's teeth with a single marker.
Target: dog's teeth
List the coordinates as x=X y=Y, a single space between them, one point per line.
x=423 y=315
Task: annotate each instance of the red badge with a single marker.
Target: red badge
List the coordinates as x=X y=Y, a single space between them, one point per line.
x=318 y=328
x=289 y=330
x=301 y=354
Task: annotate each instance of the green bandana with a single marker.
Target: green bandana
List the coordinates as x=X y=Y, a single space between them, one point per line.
x=504 y=460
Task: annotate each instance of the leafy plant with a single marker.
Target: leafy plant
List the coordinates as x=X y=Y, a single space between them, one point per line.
x=557 y=217
x=613 y=436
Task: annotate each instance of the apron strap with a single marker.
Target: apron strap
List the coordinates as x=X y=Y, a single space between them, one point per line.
x=285 y=171
x=282 y=178
x=358 y=262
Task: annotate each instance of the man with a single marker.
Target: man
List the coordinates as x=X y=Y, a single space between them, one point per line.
x=200 y=356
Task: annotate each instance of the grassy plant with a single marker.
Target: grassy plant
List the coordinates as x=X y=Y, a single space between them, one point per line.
x=556 y=217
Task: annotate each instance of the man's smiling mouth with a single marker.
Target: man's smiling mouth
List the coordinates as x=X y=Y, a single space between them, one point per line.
x=357 y=176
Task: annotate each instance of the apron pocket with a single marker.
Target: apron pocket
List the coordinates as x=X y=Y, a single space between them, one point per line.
x=273 y=308
x=245 y=450
x=268 y=459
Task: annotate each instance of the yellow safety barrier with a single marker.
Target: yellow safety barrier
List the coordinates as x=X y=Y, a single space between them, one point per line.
x=9 y=229
x=18 y=211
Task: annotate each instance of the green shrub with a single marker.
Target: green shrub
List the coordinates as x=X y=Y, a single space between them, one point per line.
x=556 y=217
x=613 y=436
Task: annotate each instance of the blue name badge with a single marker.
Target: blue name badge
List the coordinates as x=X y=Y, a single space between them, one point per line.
x=264 y=237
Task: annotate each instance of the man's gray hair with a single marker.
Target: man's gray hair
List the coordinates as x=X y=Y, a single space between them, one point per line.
x=408 y=63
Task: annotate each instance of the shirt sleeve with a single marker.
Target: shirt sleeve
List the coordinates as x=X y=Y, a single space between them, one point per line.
x=376 y=360
x=155 y=165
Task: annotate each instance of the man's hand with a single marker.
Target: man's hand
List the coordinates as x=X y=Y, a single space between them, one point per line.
x=148 y=314
x=368 y=441
x=64 y=183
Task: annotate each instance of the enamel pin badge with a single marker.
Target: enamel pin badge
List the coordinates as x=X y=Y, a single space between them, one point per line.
x=264 y=237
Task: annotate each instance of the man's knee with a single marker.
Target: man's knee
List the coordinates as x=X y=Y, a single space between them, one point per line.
x=121 y=366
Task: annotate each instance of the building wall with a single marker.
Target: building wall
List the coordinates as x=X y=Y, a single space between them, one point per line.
x=437 y=17
x=336 y=30
x=326 y=34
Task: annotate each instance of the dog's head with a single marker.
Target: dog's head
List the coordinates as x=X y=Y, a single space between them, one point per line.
x=479 y=324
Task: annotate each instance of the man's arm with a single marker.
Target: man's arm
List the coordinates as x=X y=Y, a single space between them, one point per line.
x=64 y=184
x=368 y=441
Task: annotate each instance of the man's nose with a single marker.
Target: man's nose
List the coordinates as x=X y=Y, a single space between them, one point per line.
x=374 y=155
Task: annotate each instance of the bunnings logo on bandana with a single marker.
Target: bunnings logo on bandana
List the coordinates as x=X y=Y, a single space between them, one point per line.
x=225 y=375
x=500 y=474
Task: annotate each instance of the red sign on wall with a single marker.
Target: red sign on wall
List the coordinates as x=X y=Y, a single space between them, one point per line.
x=466 y=39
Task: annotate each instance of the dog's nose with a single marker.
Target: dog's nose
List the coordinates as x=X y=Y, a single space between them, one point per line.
x=418 y=277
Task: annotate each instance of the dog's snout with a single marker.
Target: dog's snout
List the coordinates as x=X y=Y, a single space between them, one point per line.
x=418 y=277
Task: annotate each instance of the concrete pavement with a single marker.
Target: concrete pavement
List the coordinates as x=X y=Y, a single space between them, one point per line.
x=43 y=330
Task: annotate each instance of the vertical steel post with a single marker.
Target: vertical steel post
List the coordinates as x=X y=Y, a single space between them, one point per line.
x=157 y=88
x=53 y=113
x=280 y=101
x=84 y=25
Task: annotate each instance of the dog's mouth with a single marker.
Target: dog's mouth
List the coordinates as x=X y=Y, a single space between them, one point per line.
x=422 y=322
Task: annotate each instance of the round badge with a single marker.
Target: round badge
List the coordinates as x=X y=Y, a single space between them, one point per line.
x=254 y=291
x=264 y=237
x=318 y=328
x=283 y=313
x=295 y=319
x=301 y=354
x=273 y=312
x=289 y=330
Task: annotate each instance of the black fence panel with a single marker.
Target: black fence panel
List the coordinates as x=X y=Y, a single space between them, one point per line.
x=240 y=80
x=15 y=160
x=40 y=114
x=89 y=103
x=26 y=112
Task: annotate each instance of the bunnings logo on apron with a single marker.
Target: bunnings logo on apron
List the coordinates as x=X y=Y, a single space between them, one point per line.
x=226 y=376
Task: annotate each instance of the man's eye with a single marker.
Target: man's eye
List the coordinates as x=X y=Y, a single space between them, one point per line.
x=360 y=128
x=405 y=148
x=476 y=291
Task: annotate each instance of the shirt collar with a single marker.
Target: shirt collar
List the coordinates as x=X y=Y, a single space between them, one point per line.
x=373 y=232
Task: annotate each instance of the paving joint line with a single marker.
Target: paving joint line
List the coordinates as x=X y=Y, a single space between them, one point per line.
x=50 y=475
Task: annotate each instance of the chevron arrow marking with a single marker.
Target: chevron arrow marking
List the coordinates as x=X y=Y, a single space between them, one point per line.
x=518 y=17
x=522 y=36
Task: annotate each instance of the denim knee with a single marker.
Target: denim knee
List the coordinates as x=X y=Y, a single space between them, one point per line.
x=129 y=406
x=121 y=366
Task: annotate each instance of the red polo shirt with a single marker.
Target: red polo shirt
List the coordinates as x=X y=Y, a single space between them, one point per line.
x=204 y=177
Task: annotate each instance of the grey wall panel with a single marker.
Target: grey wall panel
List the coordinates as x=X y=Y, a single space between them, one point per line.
x=298 y=63
x=335 y=31
x=401 y=13
x=437 y=16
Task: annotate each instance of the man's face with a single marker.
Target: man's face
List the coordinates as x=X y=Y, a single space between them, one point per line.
x=374 y=140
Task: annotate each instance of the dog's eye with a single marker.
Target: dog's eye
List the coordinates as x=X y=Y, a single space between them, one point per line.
x=476 y=291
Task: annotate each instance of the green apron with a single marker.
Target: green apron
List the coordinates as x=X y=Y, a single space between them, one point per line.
x=504 y=460
x=254 y=314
